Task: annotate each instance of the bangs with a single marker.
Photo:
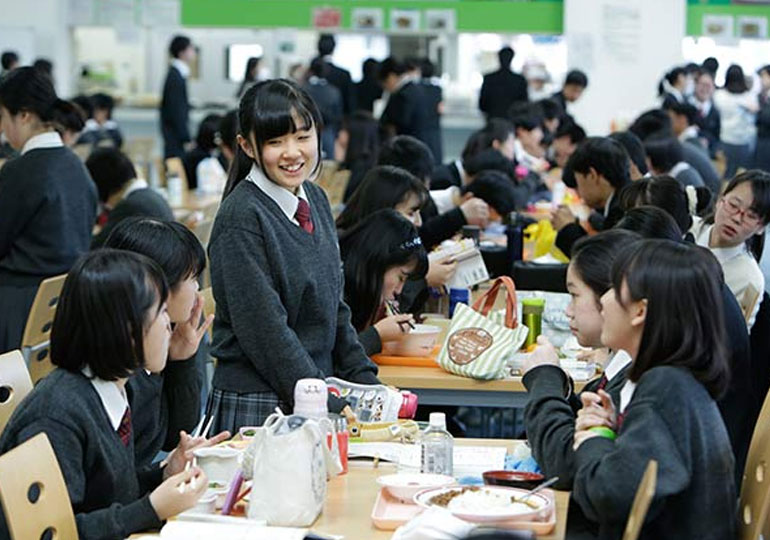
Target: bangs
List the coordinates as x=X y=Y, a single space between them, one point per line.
x=276 y=118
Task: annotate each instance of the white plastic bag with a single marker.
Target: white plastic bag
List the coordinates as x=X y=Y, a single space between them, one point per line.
x=290 y=464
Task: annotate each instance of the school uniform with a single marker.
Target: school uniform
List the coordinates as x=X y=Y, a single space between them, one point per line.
x=686 y=175
x=668 y=416
x=367 y=92
x=138 y=200
x=501 y=89
x=405 y=114
x=432 y=98
x=340 y=78
x=571 y=233
x=47 y=211
x=98 y=134
x=175 y=110
x=88 y=423
x=739 y=266
x=551 y=410
x=709 y=123
x=447 y=175
x=738 y=128
x=329 y=101
x=698 y=160
x=762 y=153
x=280 y=314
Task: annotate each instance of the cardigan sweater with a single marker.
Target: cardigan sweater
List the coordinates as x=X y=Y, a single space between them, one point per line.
x=109 y=497
x=280 y=314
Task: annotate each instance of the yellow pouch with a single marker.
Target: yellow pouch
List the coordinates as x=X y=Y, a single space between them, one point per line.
x=543 y=236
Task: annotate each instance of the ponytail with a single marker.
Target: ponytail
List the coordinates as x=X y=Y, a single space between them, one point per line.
x=239 y=169
x=67 y=116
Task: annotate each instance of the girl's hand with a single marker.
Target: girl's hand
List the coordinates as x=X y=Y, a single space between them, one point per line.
x=440 y=272
x=187 y=335
x=389 y=328
x=544 y=354
x=178 y=493
x=598 y=410
x=179 y=456
x=476 y=212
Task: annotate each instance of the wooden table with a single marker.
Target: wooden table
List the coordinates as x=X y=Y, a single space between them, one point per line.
x=435 y=386
x=193 y=201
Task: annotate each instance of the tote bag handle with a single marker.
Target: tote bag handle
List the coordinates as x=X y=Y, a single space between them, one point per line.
x=484 y=303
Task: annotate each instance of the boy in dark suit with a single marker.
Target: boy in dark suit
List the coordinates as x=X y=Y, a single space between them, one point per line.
x=502 y=88
x=336 y=75
x=174 y=106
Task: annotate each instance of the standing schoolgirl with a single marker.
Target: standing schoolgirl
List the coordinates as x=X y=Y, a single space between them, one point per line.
x=47 y=200
x=111 y=321
x=379 y=255
x=275 y=267
x=736 y=236
x=664 y=309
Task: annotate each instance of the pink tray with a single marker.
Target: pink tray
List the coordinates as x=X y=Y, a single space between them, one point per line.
x=390 y=513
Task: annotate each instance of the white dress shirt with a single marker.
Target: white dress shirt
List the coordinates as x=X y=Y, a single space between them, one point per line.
x=49 y=139
x=285 y=199
x=112 y=396
x=181 y=67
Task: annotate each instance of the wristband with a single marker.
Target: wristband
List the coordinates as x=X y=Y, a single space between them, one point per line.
x=604 y=432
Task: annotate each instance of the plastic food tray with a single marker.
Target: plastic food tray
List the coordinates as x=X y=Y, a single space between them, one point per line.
x=390 y=513
x=413 y=361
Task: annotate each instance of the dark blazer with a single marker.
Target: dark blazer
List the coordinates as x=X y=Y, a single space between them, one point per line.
x=444 y=176
x=367 y=92
x=142 y=202
x=174 y=114
x=500 y=90
x=405 y=113
x=573 y=232
x=432 y=98
x=710 y=127
x=439 y=227
x=341 y=79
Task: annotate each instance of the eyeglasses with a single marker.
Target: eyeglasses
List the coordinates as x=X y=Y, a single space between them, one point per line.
x=747 y=215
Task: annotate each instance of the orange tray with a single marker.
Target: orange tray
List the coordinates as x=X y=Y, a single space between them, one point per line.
x=414 y=361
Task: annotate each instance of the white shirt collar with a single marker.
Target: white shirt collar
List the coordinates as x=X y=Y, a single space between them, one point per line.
x=626 y=393
x=112 y=396
x=702 y=233
x=284 y=198
x=49 y=139
x=182 y=67
x=679 y=167
x=690 y=133
x=616 y=364
x=135 y=185
x=608 y=203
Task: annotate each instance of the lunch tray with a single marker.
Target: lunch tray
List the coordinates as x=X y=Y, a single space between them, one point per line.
x=412 y=361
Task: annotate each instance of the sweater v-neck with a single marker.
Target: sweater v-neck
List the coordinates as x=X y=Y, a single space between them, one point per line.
x=296 y=231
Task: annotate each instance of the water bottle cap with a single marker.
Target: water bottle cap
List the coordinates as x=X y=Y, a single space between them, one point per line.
x=438 y=419
x=310 y=397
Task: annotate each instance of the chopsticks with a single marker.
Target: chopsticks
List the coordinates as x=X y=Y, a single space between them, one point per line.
x=393 y=308
x=195 y=434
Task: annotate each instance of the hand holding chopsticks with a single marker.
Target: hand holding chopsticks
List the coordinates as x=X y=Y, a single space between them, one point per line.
x=392 y=307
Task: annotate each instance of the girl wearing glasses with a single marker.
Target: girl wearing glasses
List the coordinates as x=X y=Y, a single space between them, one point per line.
x=735 y=235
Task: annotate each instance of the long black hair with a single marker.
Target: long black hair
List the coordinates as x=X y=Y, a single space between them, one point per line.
x=28 y=89
x=684 y=325
x=666 y=193
x=381 y=241
x=592 y=258
x=266 y=112
x=383 y=186
x=760 y=189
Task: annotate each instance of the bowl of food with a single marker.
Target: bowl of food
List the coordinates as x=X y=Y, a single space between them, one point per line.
x=220 y=463
x=420 y=341
x=206 y=504
x=487 y=504
x=247 y=432
x=404 y=486
x=517 y=479
x=219 y=491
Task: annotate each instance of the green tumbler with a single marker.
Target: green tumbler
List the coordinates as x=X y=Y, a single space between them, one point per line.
x=532 y=312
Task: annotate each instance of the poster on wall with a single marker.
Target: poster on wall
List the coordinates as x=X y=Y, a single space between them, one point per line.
x=440 y=20
x=367 y=18
x=719 y=27
x=752 y=27
x=327 y=18
x=405 y=20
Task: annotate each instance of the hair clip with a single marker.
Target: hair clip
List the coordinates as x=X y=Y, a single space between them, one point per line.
x=411 y=244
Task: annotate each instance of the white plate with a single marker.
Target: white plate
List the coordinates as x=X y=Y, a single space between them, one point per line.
x=483 y=513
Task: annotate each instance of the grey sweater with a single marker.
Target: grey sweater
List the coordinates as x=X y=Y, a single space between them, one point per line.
x=109 y=498
x=280 y=315
x=672 y=419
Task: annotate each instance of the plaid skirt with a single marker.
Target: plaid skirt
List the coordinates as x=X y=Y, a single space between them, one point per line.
x=232 y=411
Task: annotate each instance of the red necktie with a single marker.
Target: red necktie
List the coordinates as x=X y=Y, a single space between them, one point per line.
x=124 y=429
x=602 y=382
x=303 y=216
x=619 y=421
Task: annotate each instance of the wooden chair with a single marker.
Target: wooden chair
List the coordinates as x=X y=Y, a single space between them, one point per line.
x=755 y=490
x=335 y=186
x=644 y=494
x=35 y=344
x=35 y=499
x=15 y=384
x=749 y=301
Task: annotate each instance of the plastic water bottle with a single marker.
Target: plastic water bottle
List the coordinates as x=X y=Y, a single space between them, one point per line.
x=437 y=446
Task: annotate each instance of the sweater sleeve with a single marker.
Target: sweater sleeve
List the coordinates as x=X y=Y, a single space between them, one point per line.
x=370 y=340
x=608 y=472
x=18 y=206
x=567 y=237
x=239 y=263
x=115 y=521
x=182 y=394
x=439 y=228
x=550 y=422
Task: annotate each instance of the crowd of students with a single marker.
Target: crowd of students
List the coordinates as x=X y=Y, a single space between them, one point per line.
x=663 y=279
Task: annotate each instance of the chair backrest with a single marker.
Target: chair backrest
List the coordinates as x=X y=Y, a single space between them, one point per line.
x=335 y=189
x=35 y=499
x=755 y=488
x=209 y=305
x=15 y=384
x=749 y=301
x=644 y=494
x=37 y=332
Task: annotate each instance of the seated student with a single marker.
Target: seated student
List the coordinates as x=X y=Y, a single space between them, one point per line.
x=672 y=87
x=635 y=150
x=203 y=156
x=359 y=144
x=168 y=402
x=47 y=200
x=379 y=255
x=735 y=234
x=565 y=141
x=101 y=129
x=599 y=170
x=575 y=84
x=414 y=156
x=121 y=194
x=527 y=119
x=553 y=117
x=665 y=156
x=683 y=117
x=664 y=310
x=654 y=222
x=110 y=322
x=549 y=416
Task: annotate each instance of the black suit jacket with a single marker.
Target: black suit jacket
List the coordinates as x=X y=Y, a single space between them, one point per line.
x=710 y=127
x=573 y=232
x=341 y=79
x=432 y=97
x=500 y=90
x=174 y=114
x=367 y=92
x=405 y=112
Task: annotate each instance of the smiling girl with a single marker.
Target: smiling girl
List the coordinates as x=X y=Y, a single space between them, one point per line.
x=275 y=267
x=736 y=236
